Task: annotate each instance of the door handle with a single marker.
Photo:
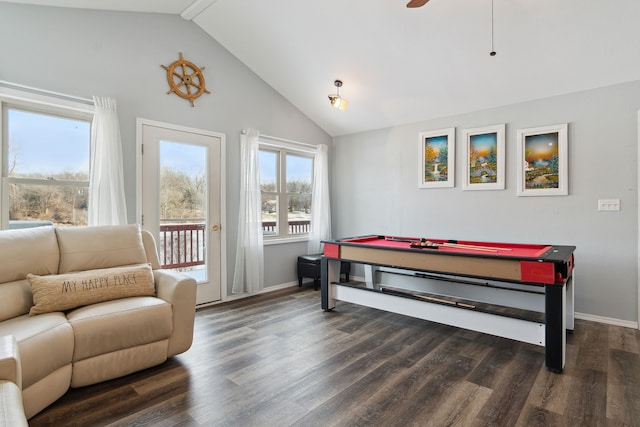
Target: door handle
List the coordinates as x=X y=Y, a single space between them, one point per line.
x=216 y=227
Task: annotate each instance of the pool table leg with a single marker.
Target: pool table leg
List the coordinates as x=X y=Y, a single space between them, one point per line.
x=329 y=273
x=555 y=326
x=570 y=299
x=372 y=276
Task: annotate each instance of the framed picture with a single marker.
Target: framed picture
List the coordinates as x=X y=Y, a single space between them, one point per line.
x=437 y=158
x=484 y=159
x=543 y=161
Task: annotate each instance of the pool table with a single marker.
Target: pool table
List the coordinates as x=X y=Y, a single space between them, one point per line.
x=533 y=268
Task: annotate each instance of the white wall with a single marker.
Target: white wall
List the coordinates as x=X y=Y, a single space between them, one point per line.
x=375 y=191
x=119 y=54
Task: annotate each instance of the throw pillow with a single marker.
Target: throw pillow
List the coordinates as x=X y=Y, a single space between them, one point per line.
x=66 y=291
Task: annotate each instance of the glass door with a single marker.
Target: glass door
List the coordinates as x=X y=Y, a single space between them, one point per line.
x=181 y=203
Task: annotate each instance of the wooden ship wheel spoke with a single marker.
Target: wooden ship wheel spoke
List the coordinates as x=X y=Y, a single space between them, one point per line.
x=185 y=79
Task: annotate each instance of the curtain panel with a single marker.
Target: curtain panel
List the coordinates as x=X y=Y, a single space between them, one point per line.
x=320 y=204
x=249 y=269
x=107 y=205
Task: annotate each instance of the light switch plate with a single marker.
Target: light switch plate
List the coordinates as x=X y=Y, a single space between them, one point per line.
x=609 y=204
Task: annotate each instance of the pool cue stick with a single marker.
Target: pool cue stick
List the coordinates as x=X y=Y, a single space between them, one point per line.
x=427 y=298
x=396 y=239
x=444 y=301
x=472 y=247
x=461 y=246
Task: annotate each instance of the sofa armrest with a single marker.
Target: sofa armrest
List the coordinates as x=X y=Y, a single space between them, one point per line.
x=10 y=367
x=180 y=291
x=11 y=407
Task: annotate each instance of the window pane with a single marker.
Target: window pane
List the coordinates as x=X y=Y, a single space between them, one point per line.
x=46 y=146
x=183 y=208
x=183 y=187
x=269 y=214
x=299 y=215
x=268 y=161
x=268 y=170
x=299 y=174
x=299 y=178
x=60 y=204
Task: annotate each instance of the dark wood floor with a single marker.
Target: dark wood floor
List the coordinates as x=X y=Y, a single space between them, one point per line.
x=279 y=360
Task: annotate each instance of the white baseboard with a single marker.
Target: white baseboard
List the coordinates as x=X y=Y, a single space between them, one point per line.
x=607 y=320
x=246 y=294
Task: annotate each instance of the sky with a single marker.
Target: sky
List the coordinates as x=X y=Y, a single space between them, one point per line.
x=541 y=146
x=48 y=144
x=298 y=167
x=484 y=143
x=436 y=142
x=187 y=158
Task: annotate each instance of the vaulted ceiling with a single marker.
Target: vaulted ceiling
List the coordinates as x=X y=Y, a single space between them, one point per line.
x=403 y=65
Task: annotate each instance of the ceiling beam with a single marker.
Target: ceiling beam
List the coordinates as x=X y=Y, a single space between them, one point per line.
x=195 y=9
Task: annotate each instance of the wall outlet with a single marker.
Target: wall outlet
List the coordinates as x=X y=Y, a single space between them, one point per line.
x=609 y=204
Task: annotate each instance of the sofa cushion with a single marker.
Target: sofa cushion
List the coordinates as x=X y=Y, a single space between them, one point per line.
x=115 y=325
x=66 y=291
x=45 y=342
x=116 y=364
x=90 y=248
x=15 y=299
x=28 y=250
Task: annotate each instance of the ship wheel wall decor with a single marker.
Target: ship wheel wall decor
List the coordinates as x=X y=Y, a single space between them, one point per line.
x=185 y=79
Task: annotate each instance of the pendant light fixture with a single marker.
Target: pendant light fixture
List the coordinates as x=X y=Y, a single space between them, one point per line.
x=336 y=100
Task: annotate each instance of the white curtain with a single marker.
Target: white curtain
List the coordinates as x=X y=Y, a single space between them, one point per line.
x=320 y=205
x=107 y=205
x=249 y=270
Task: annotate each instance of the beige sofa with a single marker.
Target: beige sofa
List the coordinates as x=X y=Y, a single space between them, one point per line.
x=95 y=342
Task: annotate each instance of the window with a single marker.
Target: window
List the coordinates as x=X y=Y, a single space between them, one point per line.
x=286 y=183
x=45 y=165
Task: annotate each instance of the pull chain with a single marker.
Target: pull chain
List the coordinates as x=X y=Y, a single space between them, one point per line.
x=493 y=52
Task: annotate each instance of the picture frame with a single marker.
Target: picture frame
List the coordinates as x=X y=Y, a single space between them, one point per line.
x=437 y=158
x=484 y=158
x=543 y=161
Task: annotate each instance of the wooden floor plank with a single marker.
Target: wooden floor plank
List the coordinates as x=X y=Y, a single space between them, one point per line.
x=587 y=402
x=593 y=339
x=626 y=339
x=550 y=392
x=277 y=359
x=461 y=407
x=533 y=416
x=623 y=387
x=512 y=388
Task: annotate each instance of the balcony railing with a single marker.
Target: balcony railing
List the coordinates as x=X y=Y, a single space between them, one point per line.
x=295 y=227
x=182 y=245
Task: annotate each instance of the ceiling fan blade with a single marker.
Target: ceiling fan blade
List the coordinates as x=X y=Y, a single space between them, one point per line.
x=417 y=3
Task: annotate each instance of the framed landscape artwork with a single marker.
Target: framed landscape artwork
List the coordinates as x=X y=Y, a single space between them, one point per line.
x=484 y=159
x=437 y=158
x=543 y=161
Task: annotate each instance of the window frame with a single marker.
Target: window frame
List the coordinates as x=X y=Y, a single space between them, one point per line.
x=40 y=102
x=282 y=149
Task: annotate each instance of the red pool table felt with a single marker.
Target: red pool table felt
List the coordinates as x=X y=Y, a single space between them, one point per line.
x=515 y=250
